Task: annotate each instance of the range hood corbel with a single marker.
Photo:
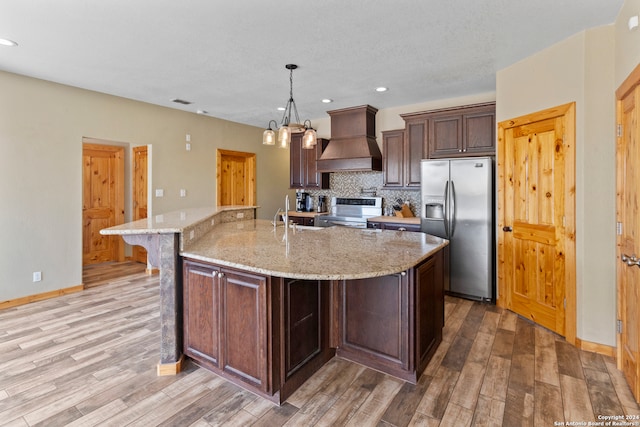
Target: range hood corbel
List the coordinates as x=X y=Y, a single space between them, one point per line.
x=353 y=145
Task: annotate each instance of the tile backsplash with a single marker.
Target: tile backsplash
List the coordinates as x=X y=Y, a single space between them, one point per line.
x=357 y=184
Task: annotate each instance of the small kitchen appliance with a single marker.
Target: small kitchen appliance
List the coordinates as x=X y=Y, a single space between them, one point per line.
x=303 y=202
x=321 y=206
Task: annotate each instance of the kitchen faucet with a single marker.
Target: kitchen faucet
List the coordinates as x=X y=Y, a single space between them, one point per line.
x=285 y=217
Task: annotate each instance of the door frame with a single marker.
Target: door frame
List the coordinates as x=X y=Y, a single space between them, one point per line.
x=628 y=85
x=138 y=251
x=567 y=111
x=119 y=178
x=249 y=179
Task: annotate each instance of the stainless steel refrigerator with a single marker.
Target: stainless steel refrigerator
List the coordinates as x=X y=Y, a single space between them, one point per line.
x=457 y=204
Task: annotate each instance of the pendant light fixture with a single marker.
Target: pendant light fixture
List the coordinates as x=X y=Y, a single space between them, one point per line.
x=309 y=140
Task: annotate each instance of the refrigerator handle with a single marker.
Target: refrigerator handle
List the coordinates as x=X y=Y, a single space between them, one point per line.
x=445 y=209
x=452 y=208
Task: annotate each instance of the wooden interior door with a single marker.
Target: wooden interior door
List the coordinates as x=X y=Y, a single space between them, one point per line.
x=536 y=242
x=139 y=254
x=102 y=202
x=628 y=236
x=236 y=178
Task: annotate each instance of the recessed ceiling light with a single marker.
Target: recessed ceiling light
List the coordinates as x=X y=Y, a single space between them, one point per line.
x=327 y=101
x=381 y=89
x=7 y=42
x=281 y=108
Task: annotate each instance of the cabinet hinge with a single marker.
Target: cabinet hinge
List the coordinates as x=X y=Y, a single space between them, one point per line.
x=619 y=326
x=619 y=130
x=565 y=303
x=619 y=228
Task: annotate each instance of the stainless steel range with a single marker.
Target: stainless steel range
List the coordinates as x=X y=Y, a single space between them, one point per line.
x=350 y=212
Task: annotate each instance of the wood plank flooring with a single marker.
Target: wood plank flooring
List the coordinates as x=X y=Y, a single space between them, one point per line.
x=90 y=359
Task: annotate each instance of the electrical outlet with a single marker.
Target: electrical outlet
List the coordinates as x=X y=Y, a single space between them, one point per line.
x=37 y=276
x=159 y=192
x=240 y=215
x=183 y=192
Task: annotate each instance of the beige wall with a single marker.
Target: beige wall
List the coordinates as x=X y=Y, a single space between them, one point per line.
x=42 y=126
x=627 y=49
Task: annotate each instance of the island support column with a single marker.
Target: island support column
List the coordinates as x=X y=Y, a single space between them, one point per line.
x=170 y=305
x=162 y=250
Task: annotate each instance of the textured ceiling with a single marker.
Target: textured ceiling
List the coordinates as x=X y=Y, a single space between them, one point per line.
x=228 y=57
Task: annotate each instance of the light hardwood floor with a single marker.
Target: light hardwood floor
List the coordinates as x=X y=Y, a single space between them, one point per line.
x=90 y=358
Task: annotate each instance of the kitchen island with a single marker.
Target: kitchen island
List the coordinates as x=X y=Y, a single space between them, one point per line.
x=266 y=307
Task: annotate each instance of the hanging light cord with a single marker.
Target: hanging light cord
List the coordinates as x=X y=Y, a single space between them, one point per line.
x=291 y=104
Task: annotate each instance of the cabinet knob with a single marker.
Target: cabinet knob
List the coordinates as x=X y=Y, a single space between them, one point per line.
x=459 y=151
x=404 y=273
x=402 y=229
x=220 y=275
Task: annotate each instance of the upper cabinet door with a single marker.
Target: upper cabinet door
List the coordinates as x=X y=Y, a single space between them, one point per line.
x=296 y=162
x=445 y=138
x=303 y=165
x=393 y=158
x=479 y=133
x=416 y=149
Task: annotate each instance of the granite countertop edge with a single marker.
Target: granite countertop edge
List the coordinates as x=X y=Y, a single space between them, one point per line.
x=227 y=246
x=170 y=222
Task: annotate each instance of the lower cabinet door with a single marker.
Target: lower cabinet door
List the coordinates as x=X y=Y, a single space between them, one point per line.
x=429 y=308
x=201 y=313
x=244 y=327
x=302 y=320
x=375 y=322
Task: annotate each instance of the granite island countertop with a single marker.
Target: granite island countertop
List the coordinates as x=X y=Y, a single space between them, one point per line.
x=312 y=253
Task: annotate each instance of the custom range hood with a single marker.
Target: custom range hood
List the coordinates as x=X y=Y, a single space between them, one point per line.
x=353 y=145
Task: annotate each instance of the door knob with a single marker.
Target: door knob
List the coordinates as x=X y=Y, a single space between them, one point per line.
x=507 y=229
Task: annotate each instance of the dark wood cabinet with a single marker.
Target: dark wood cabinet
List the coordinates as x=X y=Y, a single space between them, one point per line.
x=225 y=322
x=375 y=322
x=429 y=314
x=402 y=152
x=201 y=316
x=394 y=323
x=445 y=136
x=383 y=225
x=270 y=334
x=302 y=220
x=244 y=327
x=393 y=158
x=452 y=132
x=303 y=168
x=305 y=332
